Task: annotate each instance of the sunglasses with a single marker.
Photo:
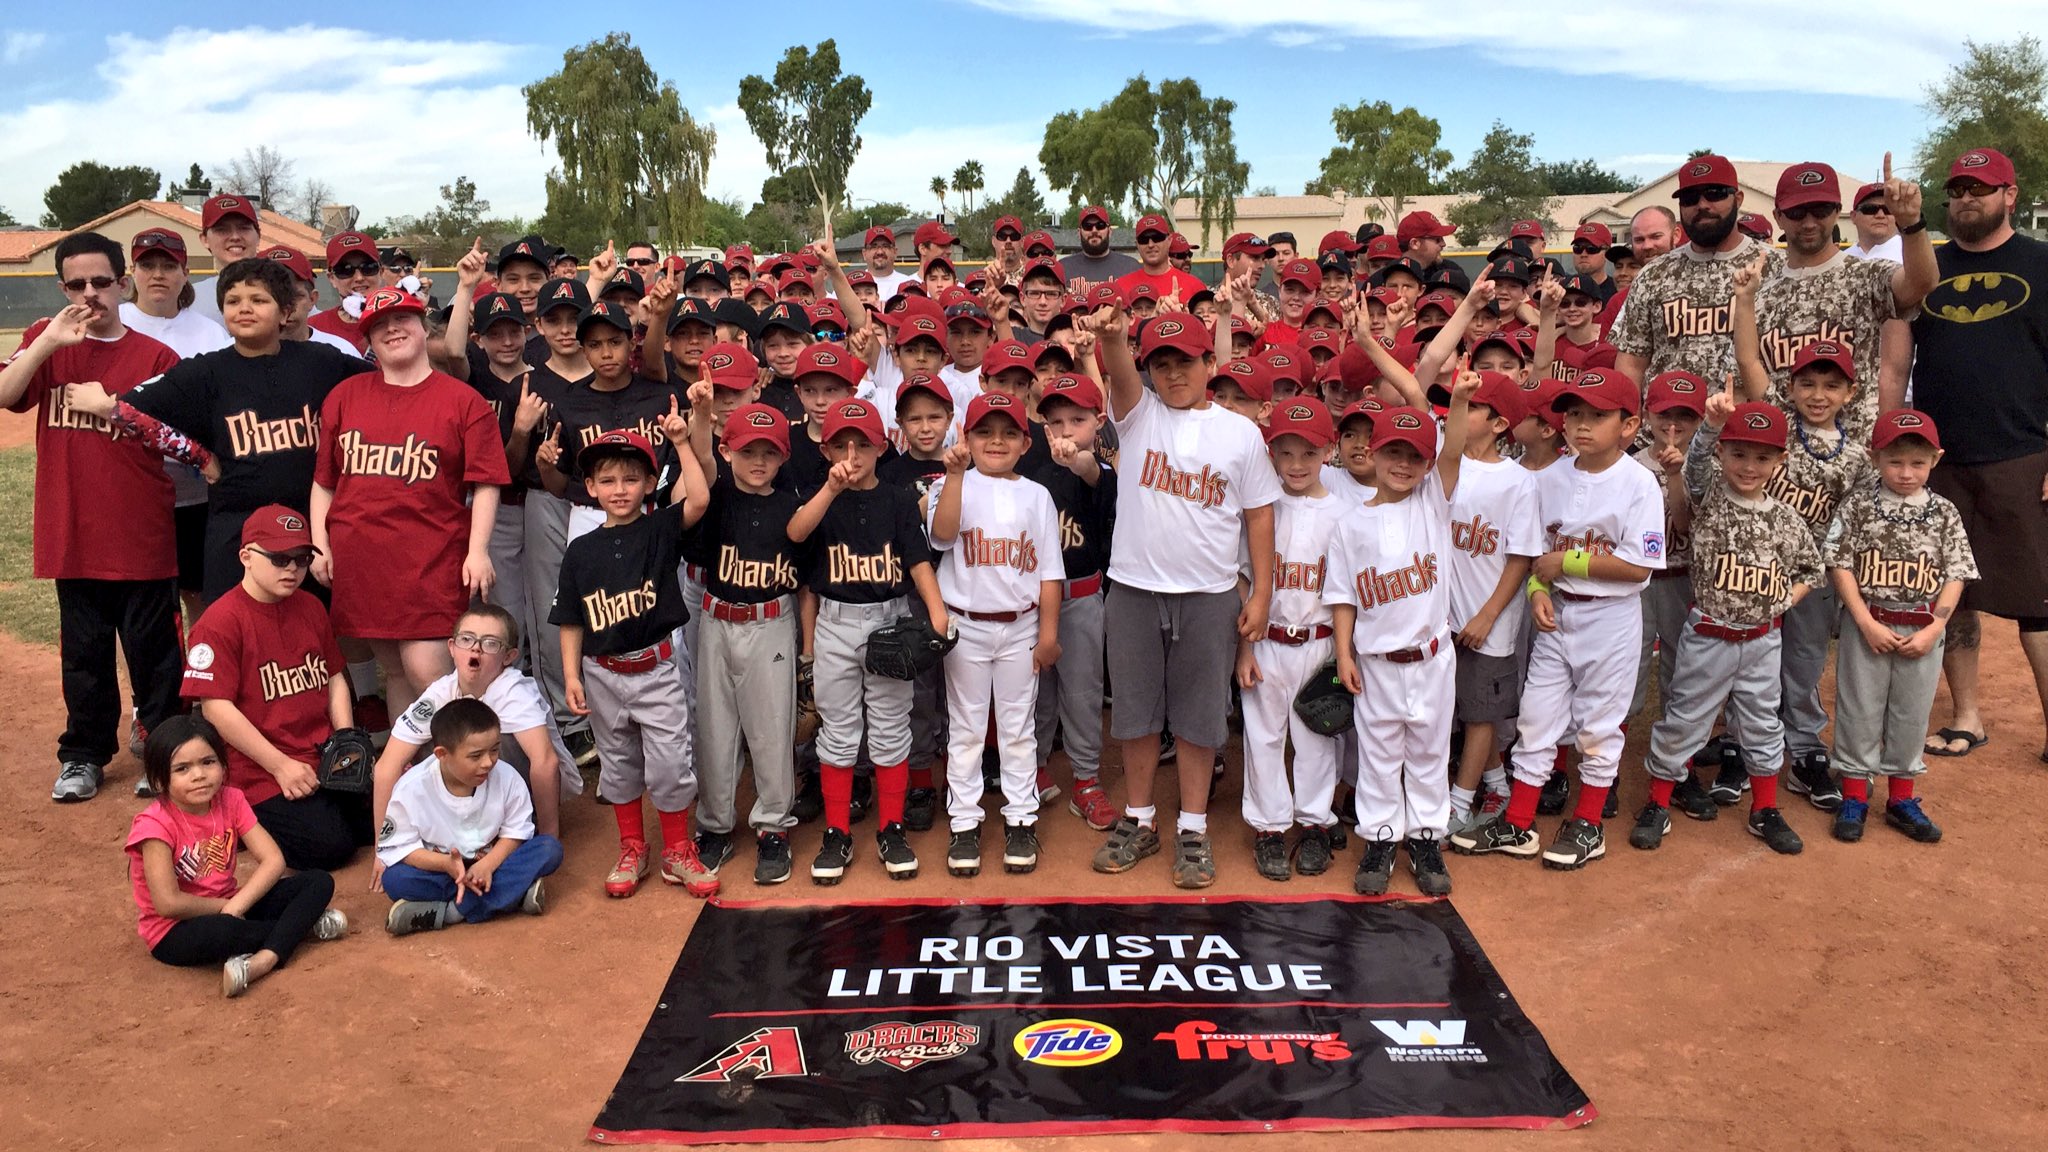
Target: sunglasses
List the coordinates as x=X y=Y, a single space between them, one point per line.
x=285 y=560
x=1009 y=234
x=399 y=269
x=488 y=645
x=1586 y=249
x=153 y=240
x=353 y=270
x=1976 y=191
x=830 y=336
x=1152 y=238
x=100 y=283
x=1872 y=209
x=1094 y=226
x=1714 y=192
x=641 y=262
x=1812 y=211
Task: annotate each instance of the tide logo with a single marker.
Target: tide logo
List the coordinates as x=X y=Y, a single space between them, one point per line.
x=1068 y=1043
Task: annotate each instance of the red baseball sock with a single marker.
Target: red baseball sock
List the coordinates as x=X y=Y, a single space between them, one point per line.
x=1901 y=787
x=1522 y=802
x=837 y=784
x=1563 y=761
x=675 y=827
x=631 y=824
x=1591 y=798
x=1856 y=788
x=891 y=782
x=1660 y=792
x=1763 y=792
x=921 y=777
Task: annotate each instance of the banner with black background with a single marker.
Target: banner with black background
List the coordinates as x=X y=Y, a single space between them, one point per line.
x=934 y=1019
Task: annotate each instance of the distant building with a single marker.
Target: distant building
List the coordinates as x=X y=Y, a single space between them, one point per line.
x=35 y=250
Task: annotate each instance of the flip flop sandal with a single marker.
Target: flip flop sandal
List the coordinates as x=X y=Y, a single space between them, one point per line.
x=1971 y=742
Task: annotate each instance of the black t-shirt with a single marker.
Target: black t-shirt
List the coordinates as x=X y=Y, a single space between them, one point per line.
x=585 y=413
x=1087 y=515
x=550 y=386
x=619 y=585
x=503 y=397
x=806 y=467
x=906 y=471
x=1982 y=368
x=750 y=559
x=780 y=394
x=864 y=549
x=259 y=414
x=535 y=354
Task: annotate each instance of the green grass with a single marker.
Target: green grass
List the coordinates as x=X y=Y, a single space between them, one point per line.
x=28 y=606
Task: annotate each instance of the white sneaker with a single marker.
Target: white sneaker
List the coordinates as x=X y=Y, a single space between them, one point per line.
x=332 y=925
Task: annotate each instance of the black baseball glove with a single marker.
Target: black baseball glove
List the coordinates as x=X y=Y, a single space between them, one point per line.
x=1323 y=703
x=346 y=760
x=907 y=648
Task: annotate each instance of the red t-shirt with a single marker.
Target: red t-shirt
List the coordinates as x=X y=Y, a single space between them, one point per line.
x=1611 y=311
x=272 y=661
x=1278 y=334
x=400 y=462
x=203 y=850
x=1169 y=282
x=1570 y=359
x=103 y=502
x=335 y=322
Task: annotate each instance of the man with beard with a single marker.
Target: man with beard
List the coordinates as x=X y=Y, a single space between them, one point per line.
x=1095 y=263
x=1422 y=239
x=1982 y=376
x=1589 y=258
x=1679 y=315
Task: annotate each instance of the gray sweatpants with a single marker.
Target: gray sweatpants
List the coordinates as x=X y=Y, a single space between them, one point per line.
x=641 y=722
x=547 y=536
x=928 y=729
x=746 y=690
x=1808 y=628
x=1070 y=692
x=508 y=560
x=1665 y=603
x=1712 y=673
x=854 y=703
x=1881 y=705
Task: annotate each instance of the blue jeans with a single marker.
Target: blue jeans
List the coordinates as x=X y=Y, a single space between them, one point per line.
x=530 y=861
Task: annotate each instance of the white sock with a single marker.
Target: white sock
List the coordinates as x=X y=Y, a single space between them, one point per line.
x=1144 y=816
x=362 y=676
x=1192 y=822
x=1461 y=799
x=1495 y=781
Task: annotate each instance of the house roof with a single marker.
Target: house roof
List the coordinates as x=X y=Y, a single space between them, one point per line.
x=18 y=244
x=18 y=247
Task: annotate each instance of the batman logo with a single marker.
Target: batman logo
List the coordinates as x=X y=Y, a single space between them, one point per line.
x=1978 y=296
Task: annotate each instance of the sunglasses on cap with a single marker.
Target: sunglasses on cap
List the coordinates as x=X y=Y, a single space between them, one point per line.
x=1714 y=192
x=1976 y=190
x=1009 y=234
x=356 y=268
x=641 y=261
x=829 y=335
x=283 y=560
x=1586 y=249
x=156 y=240
x=100 y=283
x=1152 y=238
x=1873 y=208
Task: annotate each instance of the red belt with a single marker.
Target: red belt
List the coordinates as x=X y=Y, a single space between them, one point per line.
x=1715 y=630
x=1575 y=597
x=1411 y=655
x=694 y=572
x=1085 y=586
x=1669 y=573
x=993 y=617
x=742 y=613
x=1296 y=637
x=1907 y=617
x=638 y=662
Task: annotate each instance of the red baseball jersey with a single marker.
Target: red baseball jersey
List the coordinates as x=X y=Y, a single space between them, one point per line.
x=335 y=322
x=103 y=502
x=400 y=461
x=272 y=661
x=1168 y=283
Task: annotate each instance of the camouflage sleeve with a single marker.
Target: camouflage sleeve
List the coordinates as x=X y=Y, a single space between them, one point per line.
x=1700 y=465
x=1958 y=561
x=1802 y=558
x=1874 y=284
x=1632 y=335
x=1836 y=550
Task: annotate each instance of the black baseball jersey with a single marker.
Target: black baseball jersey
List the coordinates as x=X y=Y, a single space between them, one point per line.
x=869 y=540
x=619 y=585
x=503 y=397
x=550 y=386
x=806 y=467
x=1037 y=453
x=534 y=355
x=1087 y=516
x=585 y=413
x=748 y=556
x=780 y=394
x=906 y=471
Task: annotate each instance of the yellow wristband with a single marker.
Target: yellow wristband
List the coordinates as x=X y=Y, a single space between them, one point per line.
x=1536 y=585
x=1578 y=562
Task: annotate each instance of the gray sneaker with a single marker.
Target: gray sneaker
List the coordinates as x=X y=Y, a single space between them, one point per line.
x=1128 y=843
x=234 y=976
x=142 y=789
x=332 y=925
x=535 y=901
x=1194 y=865
x=77 y=781
x=410 y=916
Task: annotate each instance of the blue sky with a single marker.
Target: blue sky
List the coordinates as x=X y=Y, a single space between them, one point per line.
x=386 y=110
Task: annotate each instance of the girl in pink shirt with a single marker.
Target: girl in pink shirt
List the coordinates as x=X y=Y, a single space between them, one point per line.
x=181 y=861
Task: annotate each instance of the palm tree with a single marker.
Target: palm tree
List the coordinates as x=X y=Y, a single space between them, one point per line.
x=939 y=189
x=967 y=180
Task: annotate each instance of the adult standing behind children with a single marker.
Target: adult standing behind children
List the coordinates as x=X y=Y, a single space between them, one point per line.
x=231 y=227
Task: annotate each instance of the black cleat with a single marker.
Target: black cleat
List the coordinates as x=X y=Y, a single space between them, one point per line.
x=894 y=850
x=1653 y=823
x=1269 y=855
x=1579 y=843
x=1768 y=825
x=1426 y=862
x=810 y=799
x=920 y=805
x=1810 y=777
x=1312 y=851
x=1732 y=780
x=1556 y=791
x=1375 y=869
x=1690 y=797
x=963 y=854
x=1020 y=848
x=771 y=858
x=833 y=857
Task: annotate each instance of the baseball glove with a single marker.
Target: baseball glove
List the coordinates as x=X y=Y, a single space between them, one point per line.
x=907 y=648
x=346 y=760
x=806 y=704
x=1323 y=702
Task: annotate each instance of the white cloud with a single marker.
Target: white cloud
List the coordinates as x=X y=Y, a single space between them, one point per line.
x=20 y=46
x=1847 y=47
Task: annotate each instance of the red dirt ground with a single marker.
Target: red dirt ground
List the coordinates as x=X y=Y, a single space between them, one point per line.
x=1883 y=995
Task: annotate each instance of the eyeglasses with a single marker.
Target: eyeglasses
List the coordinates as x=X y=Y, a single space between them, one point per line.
x=1043 y=293
x=347 y=271
x=488 y=645
x=641 y=261
x=1976 y=191
x=285 y=560
x=1009 y=234
x=99 y=283
x=1812 y=211
x=1872 y=209
x=1714 y=192
x=1152 y=238
x=399 y=269
x=1094 y=226
x=1586 y=249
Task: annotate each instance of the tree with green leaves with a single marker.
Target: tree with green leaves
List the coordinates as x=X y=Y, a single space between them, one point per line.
x=1581 y=178
x=7 y=219
x=89 y=190
x=808 y=118
x=196 y=184
x=461 y=214
x=939 y=188
x=1023 y=200
x=1384 y=154
x=968 y=179
x=1996 y=98
x=858 y=216
x=1504 y=186
x=1148 y=149
x=633 y=159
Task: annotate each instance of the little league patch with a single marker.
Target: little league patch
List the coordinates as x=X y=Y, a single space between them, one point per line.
x=947 y=1019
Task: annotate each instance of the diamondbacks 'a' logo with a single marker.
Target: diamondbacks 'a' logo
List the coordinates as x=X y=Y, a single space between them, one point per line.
x=761 y=419
x=1757 y=421
x=1318 y=336
x=1168 y=328
x=524 y=249
x=1700 y=169
x=924 y=324
x=1278 y=360
x=996 y=401
x=1973 y=160
x=500 y=305
x=1591 y=378
x=1826 y=348
x=1241 y=368
x=767 y=1053
x=1809 y=177
x=230 y=202
x=1407 y=421
x=1017 y=352
x=1682 y=386
x=352 y=240
x=718 y=361
x=385 y=298
x=566 y=292
x=290 y=522
x=279 y=253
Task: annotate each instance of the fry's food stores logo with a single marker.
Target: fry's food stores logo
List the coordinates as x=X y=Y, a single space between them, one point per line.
x=1199 y=1040
x=1429 y=1042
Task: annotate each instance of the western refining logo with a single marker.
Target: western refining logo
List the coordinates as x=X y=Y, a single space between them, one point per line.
x=1429 y=1042
x=1068 y=1043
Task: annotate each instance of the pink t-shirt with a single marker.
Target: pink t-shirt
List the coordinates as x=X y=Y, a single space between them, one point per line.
x=202 y=853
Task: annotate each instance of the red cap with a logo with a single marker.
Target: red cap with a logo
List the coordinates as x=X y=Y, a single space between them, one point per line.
x=1093 y=212
x=1153 y=222
x=739 y=256
x=1808 y=183
x=1382 y=247
x=923 y=382
x=276 y=528
x=1302 y=272
x=347 y=244
x=1003 y=222
x=920 y=316
x=294 y=261
x=1078 y=390
x=732 y=367
x=1417 y=225
x=995 y=404
x=858 y=415
x=161 y=241
x=1303 y=416
x=1033 y=241
x=1250 y=377
x=1528 y=230
x=619 y=441
x=1594 y=234
x=1247 y=242
x=1337 y=241
x=1704 y=172
x=828 y=359
x=1835 y=352
x=1105 y=294
x=1188 y=336
x=1755 y=225
x=1755 y=422
x=1410 y=426
x=1904 y=422
x=1282 y=364
x=1678 y=389
x=756 y=424
x=1983 y=164
x=1005 y=356
x=1868 y=191
x=1597 y=389
x=1366 y=408
x=218 y=208
x=933 y=232
x=1498 y=391
x=389 y=302
x=878 y=235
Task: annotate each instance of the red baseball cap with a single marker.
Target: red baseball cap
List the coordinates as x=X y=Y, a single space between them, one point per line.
x=1337 y=241
x=828 y=359
x=1677 y=389
x=294 y=261
x=1106 y=293
x=1250 y=242
x=1382 y=296
x=1250 y=377
x=1444 y=300
x=1038 y=239
x=1595 y=233
x=860 y=276
x=1539 y=398
x=1045 y=349
x=1894 y=424
x=878 y=235
x=733 y=368
x=1986 y=164
x=1177 y=245
x=923 y=382
x=933 y=232
x=1143 y=290
x=276 y=528
x=1042 y=266
x=1810 y=182
x=1334 y=307
x=1303 y=272
x=1755 y=422
x=858 y=415
x=1529 y=230
x=828 y=311
x=1318 y=340
x=794 y=277
x=1093 y=212
x=1383 y=247
x=1867 y=192
x=756 y=423
x=1835 y=352
x=347 y=244
x=1404 y=425
x=1498 y=391
x=1305 y=417
x=739 y=256
x=1079 y=390
x=1417 y=225
x=1154 y=222
x=1512 y=341
x=919 y=316
x=1012 y=221
x=1366 y=408
x=613 y=443
x=1282 y=364
x=389 y=302
x=1756 y=225
x=990 y=404
x=161 y=241
x=1188 y=336
x=1004 y=356
x=1705 y=171
x=1597 y=389
x=218 y=208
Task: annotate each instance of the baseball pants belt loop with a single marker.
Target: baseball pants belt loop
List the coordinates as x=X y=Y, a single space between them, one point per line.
x=1414 y=655
x=1913 y=616
x=1714 y=629
x=746 y=613
x=992 y=617
x=695 y=572
x=1669 y=573
x=634 y=663
x=1575 y=597
x=1085 y=586
x=1294 y=636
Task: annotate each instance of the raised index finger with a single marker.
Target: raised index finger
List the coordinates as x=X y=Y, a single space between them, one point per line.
x=1887 y=167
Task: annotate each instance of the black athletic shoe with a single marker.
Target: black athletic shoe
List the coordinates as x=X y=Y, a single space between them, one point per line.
x=963 y=854
x=771 y=858
x=1375 y=869
x=1849 y=820
x=1768 y=825
x=1556 y=791
x=991 y=770
x=1690 y=797
x=1732 y=780
x=582 y=745
x=894 y=849
x=1269 y=855
x=1709 y=755
x=1312 y=851
x=919 y=806
x=1579 y=843
x=1426 y=862
x=1020 y=848
x=833 y=857
x=1612 y=806
x=1495 y=834
x=1810 y=777
x=810 y=799
x=863 y=798
x=1906 y=816
x=1653 y=823
x=713 y=849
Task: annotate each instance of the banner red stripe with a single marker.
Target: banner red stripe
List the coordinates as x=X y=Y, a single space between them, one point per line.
x=1031 y=1006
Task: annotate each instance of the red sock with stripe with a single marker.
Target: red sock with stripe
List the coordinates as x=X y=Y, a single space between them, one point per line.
x=1763 y=792
x=1660 y=792
x=1856 y=788
x=1522 y=799
x=837 y=784
x=891 y=782
x=1900 y=787
x=632 y=826
x=675 y=827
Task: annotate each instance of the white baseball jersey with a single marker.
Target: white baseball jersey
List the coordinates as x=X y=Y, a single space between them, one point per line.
x=1009 y=541
x=424 y=814
x=964 y=386
x=1493 y=517
x=514 y=696
x=1303 y=527
x=1346 y=487
x=1187 y=476
x=1618 y=512
x=1387 y=561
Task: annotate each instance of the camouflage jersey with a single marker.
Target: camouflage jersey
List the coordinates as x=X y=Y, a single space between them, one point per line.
x=1677 y=544
x=1900 y=550
x=1680 y=313
x=1820 y=468
x=1842 y=300
x=1747 y=554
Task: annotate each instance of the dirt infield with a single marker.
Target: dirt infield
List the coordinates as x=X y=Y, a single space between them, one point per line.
x=1881 y=995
